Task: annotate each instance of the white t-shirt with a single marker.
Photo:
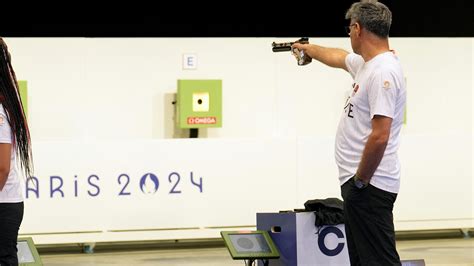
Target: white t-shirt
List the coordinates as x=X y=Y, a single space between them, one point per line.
x=378 y=89
x=12 y=191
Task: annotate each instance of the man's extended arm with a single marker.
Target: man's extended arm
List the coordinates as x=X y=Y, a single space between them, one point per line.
x=333 y=57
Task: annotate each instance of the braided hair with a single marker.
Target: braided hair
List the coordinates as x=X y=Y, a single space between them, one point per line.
x=11 y=101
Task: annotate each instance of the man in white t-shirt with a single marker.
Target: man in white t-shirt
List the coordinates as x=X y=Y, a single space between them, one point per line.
x=367 y=138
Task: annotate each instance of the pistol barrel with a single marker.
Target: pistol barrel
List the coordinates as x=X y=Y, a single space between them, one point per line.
x=281 y=47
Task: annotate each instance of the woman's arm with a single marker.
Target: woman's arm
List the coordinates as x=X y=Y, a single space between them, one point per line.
x=5 y=153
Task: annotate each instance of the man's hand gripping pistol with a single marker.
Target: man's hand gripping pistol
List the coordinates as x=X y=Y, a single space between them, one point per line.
x=301 y=57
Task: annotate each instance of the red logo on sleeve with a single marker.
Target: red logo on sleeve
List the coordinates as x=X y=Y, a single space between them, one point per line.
x=355 y=90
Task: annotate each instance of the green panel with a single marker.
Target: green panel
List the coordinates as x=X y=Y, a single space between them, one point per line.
x=263 y=248
x=199 y=103
x=24 y=95
x=405 y=115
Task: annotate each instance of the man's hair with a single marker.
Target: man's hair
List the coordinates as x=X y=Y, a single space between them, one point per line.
x=371 y=15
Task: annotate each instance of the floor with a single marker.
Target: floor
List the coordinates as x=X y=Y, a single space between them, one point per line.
x=452 y=251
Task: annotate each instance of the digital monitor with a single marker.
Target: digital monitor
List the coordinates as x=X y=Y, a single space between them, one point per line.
x=27 y=253
x=250 y=245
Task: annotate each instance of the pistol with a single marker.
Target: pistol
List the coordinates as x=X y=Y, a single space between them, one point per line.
x=301 y=57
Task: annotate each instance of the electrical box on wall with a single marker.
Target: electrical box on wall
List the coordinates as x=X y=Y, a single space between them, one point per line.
x=199 y=103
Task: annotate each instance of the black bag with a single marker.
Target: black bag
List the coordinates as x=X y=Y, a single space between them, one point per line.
x=328 y=211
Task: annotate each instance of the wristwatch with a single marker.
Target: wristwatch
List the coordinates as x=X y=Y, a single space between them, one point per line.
x=359 y=183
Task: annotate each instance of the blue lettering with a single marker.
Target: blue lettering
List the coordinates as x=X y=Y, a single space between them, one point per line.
x=190 y=61
x=199 y=185
x=149 y=184
x=75 y=186
x=35 y=189
x=173 y=190
x=322 y=245
x=89 y=180
x=127 y=180
x=58 y=189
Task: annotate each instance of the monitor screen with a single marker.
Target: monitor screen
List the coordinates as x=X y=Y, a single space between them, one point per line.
x=250 y=244
x=27 y=253
x=24 y=253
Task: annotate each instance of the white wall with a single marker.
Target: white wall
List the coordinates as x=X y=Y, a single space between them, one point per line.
x=91 y=90
x=104 y=82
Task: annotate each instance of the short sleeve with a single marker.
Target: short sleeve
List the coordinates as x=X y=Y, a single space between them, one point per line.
x=382 y=94
x=5 y=130
x=353 y=63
